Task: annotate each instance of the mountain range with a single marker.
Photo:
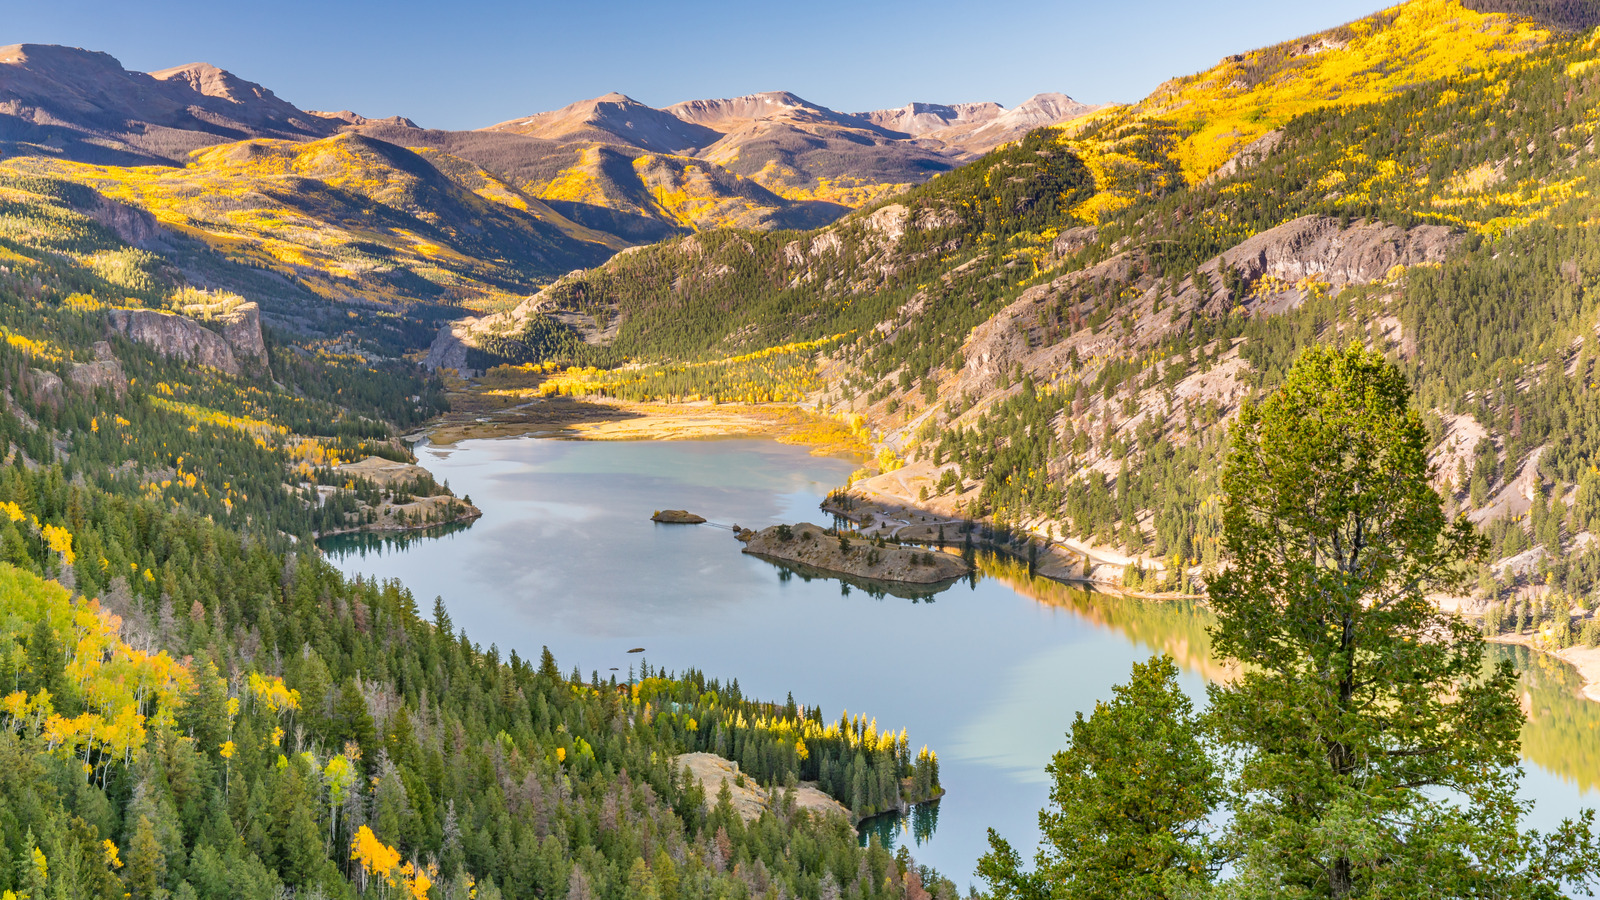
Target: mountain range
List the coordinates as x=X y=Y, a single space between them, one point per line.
x=221 y=316
x=1142 y=259
x=1054 y=336
x=609 y=165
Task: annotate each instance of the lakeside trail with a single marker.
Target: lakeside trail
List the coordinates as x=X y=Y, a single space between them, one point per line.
x=886 y=504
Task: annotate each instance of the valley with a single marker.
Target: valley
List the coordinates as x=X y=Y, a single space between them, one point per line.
x=329 y=442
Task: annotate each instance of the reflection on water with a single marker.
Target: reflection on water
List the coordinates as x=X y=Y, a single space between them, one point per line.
x=894 y=828
x=988 y=672
x=872 y=587
x=1561 y=734
x=1175 y=627
x=361 y=543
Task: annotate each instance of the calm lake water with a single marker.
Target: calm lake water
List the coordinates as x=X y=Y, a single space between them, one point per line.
x=988 y=674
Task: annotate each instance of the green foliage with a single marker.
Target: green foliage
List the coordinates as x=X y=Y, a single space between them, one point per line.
x=462 y=752
x=1374 y=755
x=1131 y=795
x=721 y=293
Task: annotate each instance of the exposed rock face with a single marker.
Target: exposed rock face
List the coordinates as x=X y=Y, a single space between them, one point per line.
x=45 y=386
x=1277 y=269
x=807 y=544
x=184 y=338
x=449 y=348
x=1074 y=239
x=105 y=372
x=135 y=226
x=1248 y=155
x=1317 y=247
x=356 y=119
x=241 y=327
x=84 y=378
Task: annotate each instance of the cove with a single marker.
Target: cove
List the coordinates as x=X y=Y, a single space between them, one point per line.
x=988 y=672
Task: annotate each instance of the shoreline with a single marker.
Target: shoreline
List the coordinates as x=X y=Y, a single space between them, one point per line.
x=1584 y=660
x=1069 y=562
x=482 y=415
x=473 y=514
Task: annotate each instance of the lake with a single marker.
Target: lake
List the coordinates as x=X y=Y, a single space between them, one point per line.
x=987 y=673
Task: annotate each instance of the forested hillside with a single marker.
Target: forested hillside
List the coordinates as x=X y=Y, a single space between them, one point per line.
x=194 y=704
x=1053 y=339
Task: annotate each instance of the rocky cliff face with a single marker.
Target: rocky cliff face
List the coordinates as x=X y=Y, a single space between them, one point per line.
x=1276 y=270
x=239 y=348
x=104 y=373
x=83 y=378
x=241 y=327
x=1320 y=248
x=133 y=225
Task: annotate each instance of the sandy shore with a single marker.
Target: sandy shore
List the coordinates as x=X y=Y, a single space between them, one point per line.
x=482 y=415
x=750 y=800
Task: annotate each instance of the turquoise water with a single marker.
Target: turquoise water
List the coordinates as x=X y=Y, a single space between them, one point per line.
x=988 y=673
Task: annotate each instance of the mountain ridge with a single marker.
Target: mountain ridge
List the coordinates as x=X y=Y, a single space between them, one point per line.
x=607 y=165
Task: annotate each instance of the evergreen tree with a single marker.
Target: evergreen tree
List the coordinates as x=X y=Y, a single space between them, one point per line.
x=1376 y=757
x=1131 y=794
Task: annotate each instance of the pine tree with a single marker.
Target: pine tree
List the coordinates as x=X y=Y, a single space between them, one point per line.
x=146 y=864
x=1129 y=798
x=1361 y=705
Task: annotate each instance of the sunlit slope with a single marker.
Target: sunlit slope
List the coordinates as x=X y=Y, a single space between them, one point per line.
x=683 y=192
x=353 y=218
x=1156 y=175
x=1189 y=127
x=962 y=237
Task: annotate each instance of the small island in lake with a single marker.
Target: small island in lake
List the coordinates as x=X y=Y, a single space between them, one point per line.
x=852 y=555
x=677 y=517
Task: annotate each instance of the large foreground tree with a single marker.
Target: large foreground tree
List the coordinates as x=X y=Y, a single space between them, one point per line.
x=1376 y=751
x=1370 y=749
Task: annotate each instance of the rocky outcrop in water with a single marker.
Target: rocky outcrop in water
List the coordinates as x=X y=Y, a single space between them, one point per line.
x=852 y=555
x=677 y=517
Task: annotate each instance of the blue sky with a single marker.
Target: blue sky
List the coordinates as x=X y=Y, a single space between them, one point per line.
x=470 y=63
